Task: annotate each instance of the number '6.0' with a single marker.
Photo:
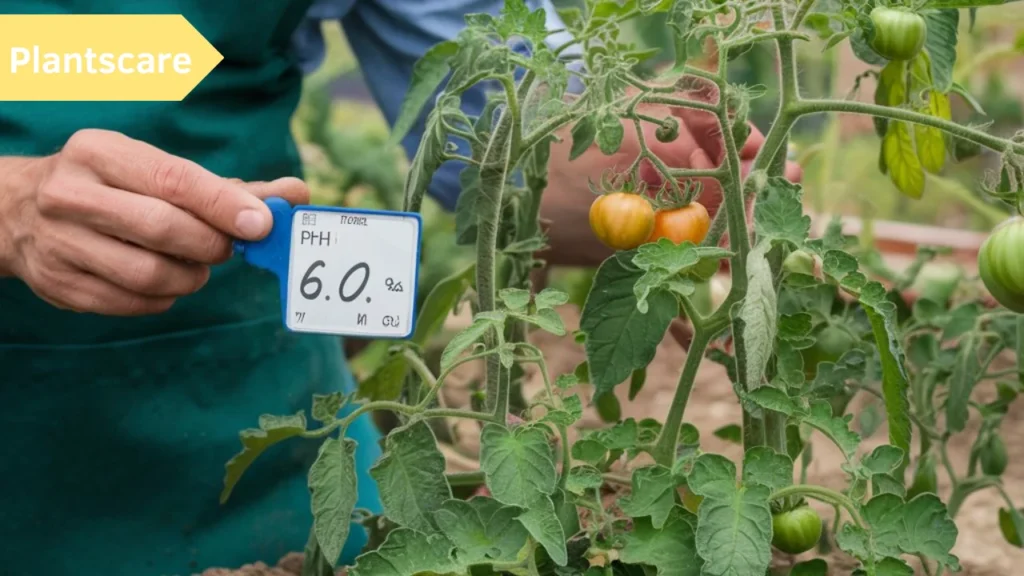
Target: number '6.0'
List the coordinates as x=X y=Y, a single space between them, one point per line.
x=311 y=286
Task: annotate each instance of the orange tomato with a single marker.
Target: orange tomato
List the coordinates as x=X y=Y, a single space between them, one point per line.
x=690 y=222
x=621 y=220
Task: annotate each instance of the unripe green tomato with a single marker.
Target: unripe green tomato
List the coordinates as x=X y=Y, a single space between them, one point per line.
x=993 y=457
x=899 y=33
x=829 y=345
x=799 y=262
x=668 y=131
x=1001 y=265
x=796 y=531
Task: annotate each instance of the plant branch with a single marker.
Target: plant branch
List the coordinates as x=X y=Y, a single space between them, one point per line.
x=806 y=107
x=820 y=493
x=664 y=450
x=801 y=12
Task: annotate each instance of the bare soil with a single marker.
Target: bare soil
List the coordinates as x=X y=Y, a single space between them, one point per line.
x=980 y=546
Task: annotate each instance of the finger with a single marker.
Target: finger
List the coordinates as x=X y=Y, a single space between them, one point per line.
x=794 y=172
x=135 y=166
x=83 y=292
x=131 y=268
x=293 y=190
x=753 y=144
x=145 y=221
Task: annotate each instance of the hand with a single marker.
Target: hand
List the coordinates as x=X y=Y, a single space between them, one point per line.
x=566 y=202
x=114 y=226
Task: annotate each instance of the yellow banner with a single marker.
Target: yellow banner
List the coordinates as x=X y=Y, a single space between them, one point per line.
x=101 y=57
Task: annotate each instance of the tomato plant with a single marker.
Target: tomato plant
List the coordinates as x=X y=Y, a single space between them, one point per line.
x=647 y=496
x=622 y=220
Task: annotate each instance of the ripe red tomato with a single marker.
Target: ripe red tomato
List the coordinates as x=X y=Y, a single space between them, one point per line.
x=686 y=223
x=621 y=220
x=1000 y=264
x=796 y=531
x=899 y=33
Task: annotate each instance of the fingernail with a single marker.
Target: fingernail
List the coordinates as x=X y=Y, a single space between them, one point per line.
x=251 y=223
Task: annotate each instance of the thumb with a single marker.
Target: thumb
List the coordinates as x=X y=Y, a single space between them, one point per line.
x=293 y=190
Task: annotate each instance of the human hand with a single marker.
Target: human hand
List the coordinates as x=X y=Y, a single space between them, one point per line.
x=566 y=202
x=111 y=225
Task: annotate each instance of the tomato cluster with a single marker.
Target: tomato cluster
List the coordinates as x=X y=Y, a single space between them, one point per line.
x=1000 y=265
x=624 y=220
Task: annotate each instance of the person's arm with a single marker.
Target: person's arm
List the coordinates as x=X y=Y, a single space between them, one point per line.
x=388 y=38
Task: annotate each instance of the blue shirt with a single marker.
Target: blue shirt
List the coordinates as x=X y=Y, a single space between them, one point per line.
x=388 y=37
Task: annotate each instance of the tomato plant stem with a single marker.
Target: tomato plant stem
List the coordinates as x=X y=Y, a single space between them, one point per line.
x=806 y=107
x=664 y=451
x=823 y=494
x=801 y=12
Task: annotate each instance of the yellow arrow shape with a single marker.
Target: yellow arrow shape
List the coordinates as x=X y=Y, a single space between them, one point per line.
x=101 y=57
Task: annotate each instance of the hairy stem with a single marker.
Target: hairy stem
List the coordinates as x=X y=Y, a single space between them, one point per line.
x=823 y=494
x=664 y=451
x=806 y=107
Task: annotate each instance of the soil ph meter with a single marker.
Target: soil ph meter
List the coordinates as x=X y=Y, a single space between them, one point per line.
x=343 y=271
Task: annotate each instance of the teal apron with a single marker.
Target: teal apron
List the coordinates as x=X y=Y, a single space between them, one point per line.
x=116 y=430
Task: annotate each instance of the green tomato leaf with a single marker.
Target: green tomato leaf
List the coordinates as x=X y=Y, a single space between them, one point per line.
x=326 y=406
x=411 y=476
x=519 y=465
x=583 y=134
x=734 y=534
x=570 y=412
x=966 y=371
x=333 y=491
x=730 y=433
x=583 y=479
x=883 y=459
x=610 y=134
x=407 y=552
x=549 y=298
x=920 y=526
x=483 y=530
x=386 y=383
x=759 y=313
x=712 y=476
x=653 y=494
x=940 y=43
x=541 y=520
x=515 y=299
x=619 y=339
x=427 y=74
x=272 y=429
x=835 y=428
x=881 y=313
x=439 y=303
x=900 y=156
x=470 y=336
x=779 y=213
x=670 y=549
x=931 y=142
x=763 y=465
x=774 y=399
